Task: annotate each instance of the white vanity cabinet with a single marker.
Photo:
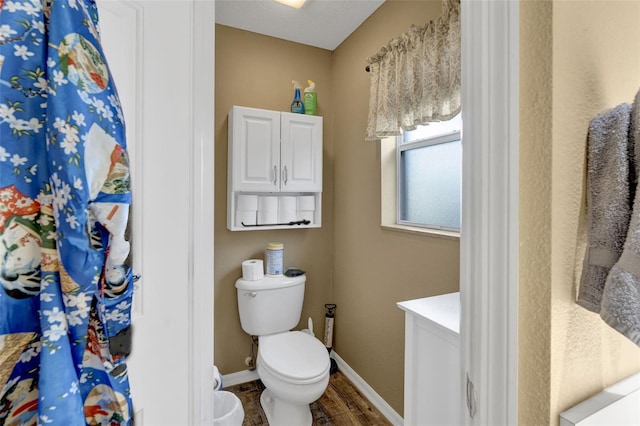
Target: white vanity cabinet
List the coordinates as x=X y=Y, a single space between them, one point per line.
x=432 y=379
x=274 y=153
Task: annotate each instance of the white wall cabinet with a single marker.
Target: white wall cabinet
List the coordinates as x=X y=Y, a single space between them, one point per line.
x=276 y=157
x=432 y=380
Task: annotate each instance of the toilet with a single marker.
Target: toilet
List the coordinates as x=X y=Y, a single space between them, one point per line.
x=293 y=365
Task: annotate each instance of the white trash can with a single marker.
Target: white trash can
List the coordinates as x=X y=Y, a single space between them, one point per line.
x=227 y=409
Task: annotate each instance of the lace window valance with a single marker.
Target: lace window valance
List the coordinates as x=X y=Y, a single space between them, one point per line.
x=415 y=79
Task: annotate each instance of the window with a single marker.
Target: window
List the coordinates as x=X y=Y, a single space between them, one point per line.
x=429 y=165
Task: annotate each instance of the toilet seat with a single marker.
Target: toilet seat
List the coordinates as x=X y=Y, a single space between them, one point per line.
x=294 y=357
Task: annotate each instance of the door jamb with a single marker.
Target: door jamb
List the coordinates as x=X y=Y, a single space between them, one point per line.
x=489 y=237
x=202 y=213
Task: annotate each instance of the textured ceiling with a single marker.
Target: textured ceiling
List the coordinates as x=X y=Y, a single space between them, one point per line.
x=319 y=23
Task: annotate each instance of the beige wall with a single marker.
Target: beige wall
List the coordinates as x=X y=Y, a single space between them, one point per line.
x=375 y=268
x=256 y=71
x=578 y=58
x=534 y=310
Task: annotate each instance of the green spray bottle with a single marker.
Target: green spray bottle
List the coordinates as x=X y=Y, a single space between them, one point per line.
x=297 y=106
x=310 y=99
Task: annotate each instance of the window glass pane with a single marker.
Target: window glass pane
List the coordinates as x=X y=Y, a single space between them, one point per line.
x=430 y=185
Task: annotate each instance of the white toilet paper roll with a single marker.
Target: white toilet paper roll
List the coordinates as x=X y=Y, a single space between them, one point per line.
x=247 y=202
x=248 y=217
x=306 y=207
x=286 y=216
x=305 y=215
x=267 y=210
x=287 y=203
x=306 y=202
x=286 y=209
x=252 y=270
x=268 y=203
x=267 y=217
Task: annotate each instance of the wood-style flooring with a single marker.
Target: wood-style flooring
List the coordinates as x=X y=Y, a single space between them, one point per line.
x=342 y=404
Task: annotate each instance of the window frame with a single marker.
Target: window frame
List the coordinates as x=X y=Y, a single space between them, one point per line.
x=401 y=146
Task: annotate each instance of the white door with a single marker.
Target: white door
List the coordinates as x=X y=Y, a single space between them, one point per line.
x=155 y=58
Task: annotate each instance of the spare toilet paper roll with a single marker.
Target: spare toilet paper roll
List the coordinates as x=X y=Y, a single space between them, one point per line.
x=246 y=217
x=268 y=203
x=267 y=217
x=305 y=215
x=286 y=209
x=306 y=207
x=267 y=210
x=247 y=202
x=306 y=202
x=252 y=270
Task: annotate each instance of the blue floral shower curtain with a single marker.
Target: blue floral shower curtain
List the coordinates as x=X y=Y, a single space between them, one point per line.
x=66 y=281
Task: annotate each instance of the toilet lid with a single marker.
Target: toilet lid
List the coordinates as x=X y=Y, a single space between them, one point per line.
x=295 y=355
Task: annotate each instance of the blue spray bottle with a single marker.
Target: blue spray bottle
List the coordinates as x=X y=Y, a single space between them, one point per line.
x=297 y=105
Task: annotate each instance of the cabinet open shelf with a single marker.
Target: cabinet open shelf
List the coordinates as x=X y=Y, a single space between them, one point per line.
x=253 y=220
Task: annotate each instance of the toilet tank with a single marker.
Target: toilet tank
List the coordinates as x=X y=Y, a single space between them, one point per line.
x=270 y=305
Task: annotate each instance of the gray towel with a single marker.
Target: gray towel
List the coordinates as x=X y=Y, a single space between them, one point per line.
x=621 y=297
x=608 y=200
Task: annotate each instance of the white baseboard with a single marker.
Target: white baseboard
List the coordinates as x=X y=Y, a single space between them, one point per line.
x=368 y=391
x=243 y=376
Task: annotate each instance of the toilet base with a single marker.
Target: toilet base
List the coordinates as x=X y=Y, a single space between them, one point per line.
x=283 y=413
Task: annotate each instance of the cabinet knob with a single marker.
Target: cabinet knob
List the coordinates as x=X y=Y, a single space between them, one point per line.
x=285 y=175
x=275 y=175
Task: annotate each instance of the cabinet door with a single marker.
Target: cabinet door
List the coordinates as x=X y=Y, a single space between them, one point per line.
x=301 y=153
x=254 y=149
x=432 y=374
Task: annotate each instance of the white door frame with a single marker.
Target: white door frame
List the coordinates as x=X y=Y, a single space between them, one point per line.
x=489 y=241
x=201 y=206
x=195 y=406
